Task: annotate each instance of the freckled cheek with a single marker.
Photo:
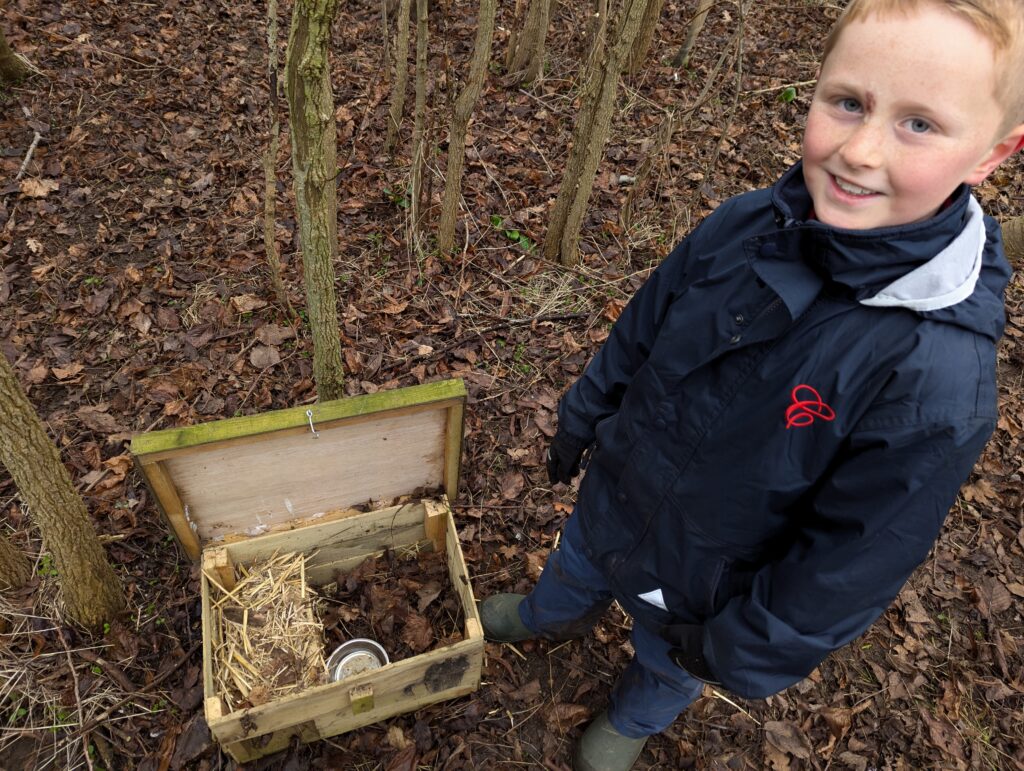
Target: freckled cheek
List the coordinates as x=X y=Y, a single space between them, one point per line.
x=819 y=138
x=920 y=179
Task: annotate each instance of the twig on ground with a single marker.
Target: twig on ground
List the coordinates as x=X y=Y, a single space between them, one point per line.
x=28 y=156
x=78 y=698
x=727 y=700
x=783 y=87
x=505 y=324
x=97 y=721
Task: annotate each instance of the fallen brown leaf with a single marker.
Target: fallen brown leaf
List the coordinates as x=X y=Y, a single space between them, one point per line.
x=787 y=737
x=38 y=188
x=417 y=633
x=564 y=717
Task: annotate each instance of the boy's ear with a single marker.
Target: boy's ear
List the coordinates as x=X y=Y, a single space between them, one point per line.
x=1002 y=150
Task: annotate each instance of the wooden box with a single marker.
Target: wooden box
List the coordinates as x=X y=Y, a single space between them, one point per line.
x=241 y=489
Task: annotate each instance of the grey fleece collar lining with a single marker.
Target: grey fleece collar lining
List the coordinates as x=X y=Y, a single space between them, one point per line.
x=947 y=278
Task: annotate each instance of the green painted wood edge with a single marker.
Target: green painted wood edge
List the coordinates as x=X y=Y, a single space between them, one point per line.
x=293 y=417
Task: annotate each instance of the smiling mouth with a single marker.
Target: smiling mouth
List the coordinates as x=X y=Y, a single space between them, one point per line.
x=851 y=189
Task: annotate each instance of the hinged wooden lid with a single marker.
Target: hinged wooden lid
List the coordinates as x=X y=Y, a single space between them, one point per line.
x=244 y=476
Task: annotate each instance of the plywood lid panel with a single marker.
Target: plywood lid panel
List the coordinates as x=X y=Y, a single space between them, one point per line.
x=247 y=476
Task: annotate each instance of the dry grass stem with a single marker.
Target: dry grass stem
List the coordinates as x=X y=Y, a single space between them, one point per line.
x=268 y=640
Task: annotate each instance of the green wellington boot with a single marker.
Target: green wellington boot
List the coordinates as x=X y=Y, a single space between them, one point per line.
x=499 y=615
x=602 y=748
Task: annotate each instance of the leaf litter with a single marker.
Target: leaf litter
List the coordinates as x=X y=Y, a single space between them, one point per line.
x=119 y=263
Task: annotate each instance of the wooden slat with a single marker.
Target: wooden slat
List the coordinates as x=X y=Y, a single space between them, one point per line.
x=453 y=449
x=435 y=524
x=460 y=579
x=398 y=687
x=339 y=722
x=295 y=524
x=323 y=572
x=174 y=510
x=217 y=565
x=209 y=689
x=213 y=708
x=251 y=749
x=350 y=538
x=176 y=440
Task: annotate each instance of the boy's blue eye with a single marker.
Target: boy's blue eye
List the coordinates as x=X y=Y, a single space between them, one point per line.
x=919 y=126
x=849 y=105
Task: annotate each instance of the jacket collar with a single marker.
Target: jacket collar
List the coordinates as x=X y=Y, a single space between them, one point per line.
x=864 y=261
x=931 y=267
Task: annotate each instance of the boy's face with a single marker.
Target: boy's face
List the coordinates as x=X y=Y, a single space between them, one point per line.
x=904 y=111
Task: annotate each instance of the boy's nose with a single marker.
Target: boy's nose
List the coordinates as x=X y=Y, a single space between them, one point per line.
x=863 y=148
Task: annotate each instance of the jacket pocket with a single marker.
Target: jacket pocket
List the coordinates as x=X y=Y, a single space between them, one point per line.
x=715 y=594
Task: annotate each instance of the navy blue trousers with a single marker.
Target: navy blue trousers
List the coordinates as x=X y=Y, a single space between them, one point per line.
x=569 y=598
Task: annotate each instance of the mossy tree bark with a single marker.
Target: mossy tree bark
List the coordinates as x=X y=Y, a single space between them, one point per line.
x=696 y=25
x=397 y=105
x=270 y=168
x=526 y=56
x=1013 y=240
x=12 y=69
x=460 y=121
x=314 y=161
x=15 y=570
x=596 y=35
x=89 y=586
x=589 y=136
x=644 y=38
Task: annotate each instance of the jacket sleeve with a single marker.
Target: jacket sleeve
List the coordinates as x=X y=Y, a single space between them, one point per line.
x=871 y=523
x=599 y=391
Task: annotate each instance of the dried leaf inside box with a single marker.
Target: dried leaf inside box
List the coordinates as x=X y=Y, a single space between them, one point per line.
x=240 y=490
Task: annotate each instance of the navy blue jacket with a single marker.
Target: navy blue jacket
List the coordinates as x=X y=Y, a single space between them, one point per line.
x=781 y=418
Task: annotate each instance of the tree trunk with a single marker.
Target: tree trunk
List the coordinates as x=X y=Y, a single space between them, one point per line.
x=528 y=57
x=460 y=121
x=683 y=57
x=642 y=44
x=269 y=169
x=15 y=570
x=91 y=592
x=419 y=117
x=401 y=75
x=1013 y=240
x=596 y=36
x=12 y=69
x=314 y=160
x=588 y=139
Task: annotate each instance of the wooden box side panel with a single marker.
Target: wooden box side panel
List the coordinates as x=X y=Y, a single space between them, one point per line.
x=455 y=675
x=209 y=690
x=339 y=544
x=342 y=719
x=252 y=487
x=399 y=687
x=251 y=749
x=403 y=686
x=460 y=580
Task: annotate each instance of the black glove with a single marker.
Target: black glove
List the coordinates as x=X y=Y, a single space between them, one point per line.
x=695 y=665
x=563 y=458
x=688 y=653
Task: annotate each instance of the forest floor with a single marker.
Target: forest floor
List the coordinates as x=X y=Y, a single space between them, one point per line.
x=134 y=296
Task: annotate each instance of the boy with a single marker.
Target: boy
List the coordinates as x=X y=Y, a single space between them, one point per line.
x=782 y=416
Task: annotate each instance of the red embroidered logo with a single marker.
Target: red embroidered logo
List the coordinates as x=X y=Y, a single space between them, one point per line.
x=803 y=411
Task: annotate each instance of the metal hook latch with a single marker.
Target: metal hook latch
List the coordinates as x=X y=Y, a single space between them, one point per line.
x=309 y=414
